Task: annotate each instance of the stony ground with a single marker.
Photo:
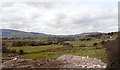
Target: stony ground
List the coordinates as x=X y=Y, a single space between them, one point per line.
x=81 y=62
x=64 y=61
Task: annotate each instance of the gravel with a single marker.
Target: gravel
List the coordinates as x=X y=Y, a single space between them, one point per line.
x=64 y=61
x=73 y=61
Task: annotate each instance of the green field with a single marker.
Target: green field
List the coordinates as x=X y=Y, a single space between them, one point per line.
x=30 y=49
x=54 y=51
x=81 y=51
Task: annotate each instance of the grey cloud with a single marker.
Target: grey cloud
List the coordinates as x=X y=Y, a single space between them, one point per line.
x=62 y=22
x=57 y=22
x=6 y=4
x=17 y=25
x=86 y=19
x=41 y=4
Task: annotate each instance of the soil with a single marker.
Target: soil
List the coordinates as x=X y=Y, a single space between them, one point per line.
x=64 y=61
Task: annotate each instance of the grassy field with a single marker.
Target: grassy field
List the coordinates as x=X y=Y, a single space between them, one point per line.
x=81 y=51
x=30 y=49
x=44 y=55
x=88 y=50
x=90 y=43
x=100 y=54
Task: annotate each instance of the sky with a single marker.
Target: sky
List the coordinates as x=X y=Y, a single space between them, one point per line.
x=60 y=17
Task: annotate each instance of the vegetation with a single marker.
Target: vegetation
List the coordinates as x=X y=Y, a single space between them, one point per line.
x=21 y=52
x=53 y=47
x=113 y=54
x=95 y=44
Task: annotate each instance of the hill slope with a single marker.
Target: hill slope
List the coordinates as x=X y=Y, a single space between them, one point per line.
x=16 y=33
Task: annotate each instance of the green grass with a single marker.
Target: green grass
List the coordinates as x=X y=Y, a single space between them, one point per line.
x=91 y=42
x=30 y=49
x=90 y=50
x=45 y=55
x=7 y=54
x=76 y=50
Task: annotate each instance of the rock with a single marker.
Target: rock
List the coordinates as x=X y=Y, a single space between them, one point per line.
x=64 y=61
x=81 y=62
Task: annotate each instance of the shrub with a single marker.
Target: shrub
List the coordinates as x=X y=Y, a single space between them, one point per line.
x=68 y=45
x=21 y=52
x=13 y=51
x=88 y=39
x=95 y=44
x=113 y=54
x=111 y=33
x=98 y=48
x=4 y=49
x=103 y=42
x=82 y=45
x=82 y=39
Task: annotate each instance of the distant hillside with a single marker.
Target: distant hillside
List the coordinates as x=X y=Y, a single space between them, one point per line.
x=89 y=33
x=16 y=33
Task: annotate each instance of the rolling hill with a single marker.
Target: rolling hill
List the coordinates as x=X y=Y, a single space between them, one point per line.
x=16 y=33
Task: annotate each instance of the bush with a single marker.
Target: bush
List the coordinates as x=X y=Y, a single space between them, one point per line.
x=98 y=48
x=13 y=51
x=82 y=39
x=111 y=33
x=68 y=45
x=108 y=41
x=103 y=42
x=82 y=45
x=95 y=44
x=21 y=52
x=4 y=49
x=30 y=43
x=88 y=39
x=113 y=54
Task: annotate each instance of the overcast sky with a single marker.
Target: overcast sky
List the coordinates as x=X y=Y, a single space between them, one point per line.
x=60 y=17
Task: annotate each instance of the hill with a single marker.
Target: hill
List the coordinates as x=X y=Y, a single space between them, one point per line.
x=16 y=33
